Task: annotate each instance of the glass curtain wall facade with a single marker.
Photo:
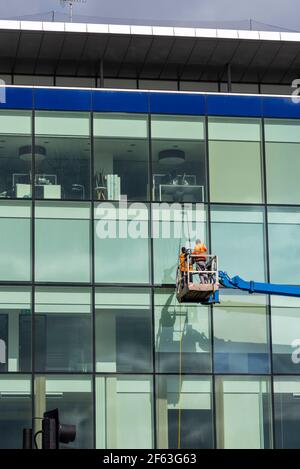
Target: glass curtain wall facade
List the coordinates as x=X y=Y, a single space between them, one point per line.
x=90 y=324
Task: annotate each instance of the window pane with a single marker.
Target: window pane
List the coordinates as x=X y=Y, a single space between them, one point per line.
x=15 y=329
x=284 y=244
x=238 y=240
x=285 y=334
x=123 y=330
x=243 y=411
x=73 y=396
x=287 y=412
x=184 y=412
x=63 y=329
x=182 y=335
x=178 y=158
x=15 y=154
x=62 y=242
x=15 y=409
x=121 y=243
x=121 y=156
x=124 y=412
x=175 y=226
x=282 y=160
x=241 y=336
x=15 y=241
x=235 y=160
x=62 y=155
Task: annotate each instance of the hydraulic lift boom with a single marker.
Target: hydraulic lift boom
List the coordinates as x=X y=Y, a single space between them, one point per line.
x=206 y=290
x=258 y=287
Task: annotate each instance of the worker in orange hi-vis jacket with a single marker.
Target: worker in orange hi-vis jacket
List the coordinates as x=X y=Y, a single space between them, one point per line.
x=184 y=266
x=200 y=251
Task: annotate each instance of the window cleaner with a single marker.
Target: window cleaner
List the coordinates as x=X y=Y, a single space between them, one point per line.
x=206 y=290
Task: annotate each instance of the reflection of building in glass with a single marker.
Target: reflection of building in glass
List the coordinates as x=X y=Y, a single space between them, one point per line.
x=91 y=324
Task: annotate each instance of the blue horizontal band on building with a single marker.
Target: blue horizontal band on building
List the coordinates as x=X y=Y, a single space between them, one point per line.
x=120 y=101
x=62 y=99
x=16 y=98
x=281 y=107
x=177 y=103
x=241 y=106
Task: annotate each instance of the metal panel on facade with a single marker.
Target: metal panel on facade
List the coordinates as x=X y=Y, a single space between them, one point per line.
x=176 y=103
x=120 y=101
x=226 y=105
x=16 y=98
x=62 y=99
x=281 y=107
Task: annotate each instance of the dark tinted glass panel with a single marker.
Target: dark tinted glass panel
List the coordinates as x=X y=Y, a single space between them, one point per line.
x=62 y=155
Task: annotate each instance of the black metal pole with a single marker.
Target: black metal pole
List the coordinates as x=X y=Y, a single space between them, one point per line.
x=27 y=438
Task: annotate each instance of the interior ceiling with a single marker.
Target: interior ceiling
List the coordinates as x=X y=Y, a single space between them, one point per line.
x=55 y=147
x=120 y=149
x=147 y=57
x=129 y=149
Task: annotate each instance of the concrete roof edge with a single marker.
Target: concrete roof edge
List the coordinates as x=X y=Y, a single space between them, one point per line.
x=155 y=30
x=215 y=93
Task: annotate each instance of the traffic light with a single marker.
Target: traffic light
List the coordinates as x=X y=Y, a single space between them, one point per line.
x=54 y=432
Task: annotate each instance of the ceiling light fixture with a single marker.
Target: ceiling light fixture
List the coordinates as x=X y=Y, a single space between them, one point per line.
x=25 y=152
x=171 y=156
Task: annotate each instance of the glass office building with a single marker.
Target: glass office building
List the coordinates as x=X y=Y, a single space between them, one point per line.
x=100 y=188
x=90 y=324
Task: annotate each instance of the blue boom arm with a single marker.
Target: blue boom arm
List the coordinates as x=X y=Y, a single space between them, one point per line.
x=258 y=287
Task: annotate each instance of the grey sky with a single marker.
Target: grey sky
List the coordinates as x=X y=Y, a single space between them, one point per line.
x=267 y=11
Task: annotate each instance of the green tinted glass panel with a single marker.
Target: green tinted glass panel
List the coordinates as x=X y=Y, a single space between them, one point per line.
x=235 y=160
x=62 y=242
